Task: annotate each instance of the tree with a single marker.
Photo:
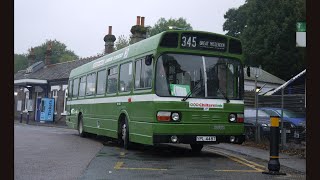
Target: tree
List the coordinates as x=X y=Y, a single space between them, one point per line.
x=163 y=25
x=20 y=62
x=60 y=53
x=268 y=33
x=121 y=42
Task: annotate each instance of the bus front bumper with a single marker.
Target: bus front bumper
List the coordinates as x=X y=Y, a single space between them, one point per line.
x=198 y=139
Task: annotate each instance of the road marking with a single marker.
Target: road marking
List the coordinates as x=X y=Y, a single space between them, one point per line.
x=240 y=158
x=122 y=154
x=120 y=164
x=249 y=165
x=238 y=170
x=148 y=169
x=243 y=161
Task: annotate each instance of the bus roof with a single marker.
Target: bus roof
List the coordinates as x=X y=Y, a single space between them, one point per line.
x=145 y=46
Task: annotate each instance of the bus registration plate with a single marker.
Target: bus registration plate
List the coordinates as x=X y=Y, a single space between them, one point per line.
x=206 y=138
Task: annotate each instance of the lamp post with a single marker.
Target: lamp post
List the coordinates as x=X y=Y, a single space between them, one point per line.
x=257 y=73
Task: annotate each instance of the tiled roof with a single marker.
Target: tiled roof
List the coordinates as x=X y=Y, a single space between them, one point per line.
x=264 y=76
x=54 y=71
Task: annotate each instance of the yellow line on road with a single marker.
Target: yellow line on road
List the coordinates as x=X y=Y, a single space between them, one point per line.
x=122 y=154
x=250 y=162
x=243 y=161
x=238 y=170
x=120 y=164
x=148 y=169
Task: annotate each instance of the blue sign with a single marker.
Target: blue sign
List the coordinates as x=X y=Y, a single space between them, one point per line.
x=47 y=109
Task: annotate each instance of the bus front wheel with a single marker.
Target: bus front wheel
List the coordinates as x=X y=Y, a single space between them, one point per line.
x=196 y=147
x=80 y=127
x=125 y=134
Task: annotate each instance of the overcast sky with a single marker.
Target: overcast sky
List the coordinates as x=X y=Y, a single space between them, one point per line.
x=82 y=24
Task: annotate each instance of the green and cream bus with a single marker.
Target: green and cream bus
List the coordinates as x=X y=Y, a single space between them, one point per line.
x=175 y=87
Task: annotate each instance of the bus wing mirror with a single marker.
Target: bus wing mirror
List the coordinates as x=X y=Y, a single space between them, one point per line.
x=248 y=71
x=148 y=60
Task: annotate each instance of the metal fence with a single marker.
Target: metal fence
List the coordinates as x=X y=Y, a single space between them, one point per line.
x=295 y=132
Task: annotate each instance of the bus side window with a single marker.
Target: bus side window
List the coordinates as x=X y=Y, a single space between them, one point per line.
x=101 y=82
x=148 y=70
x=112 y=80
x=82 y=86
x=143 y=74
x=91 y=84
x=75 y=88
x=125 y=80
x=69 y=94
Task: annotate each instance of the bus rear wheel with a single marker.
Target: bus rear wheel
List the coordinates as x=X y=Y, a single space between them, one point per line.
x=196 y=147
x=125 y=134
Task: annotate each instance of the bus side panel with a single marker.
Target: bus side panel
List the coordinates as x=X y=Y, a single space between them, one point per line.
x=142 y=115
x=72 y=118
x=101 y=119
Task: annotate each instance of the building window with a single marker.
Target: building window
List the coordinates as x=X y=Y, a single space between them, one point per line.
x=143 y=75
x=101 y=83
x=112 y=80
x=82 y=86
x=125 y=77
x=91 y=84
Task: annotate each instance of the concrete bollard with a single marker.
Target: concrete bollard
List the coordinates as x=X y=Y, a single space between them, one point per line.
x=274 y=164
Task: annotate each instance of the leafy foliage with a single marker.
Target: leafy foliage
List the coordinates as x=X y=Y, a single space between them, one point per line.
x=163 y=25
x=268 y=32
x=121 y=42
x=60 y=53
x=20 y=62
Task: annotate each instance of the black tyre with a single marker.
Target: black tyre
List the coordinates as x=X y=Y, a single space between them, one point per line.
x=80 y=127
x=125 y=134
x=196 y=147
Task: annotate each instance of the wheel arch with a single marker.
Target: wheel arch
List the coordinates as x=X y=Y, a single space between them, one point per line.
x=122 y=115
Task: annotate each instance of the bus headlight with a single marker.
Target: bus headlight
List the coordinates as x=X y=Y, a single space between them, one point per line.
x=232 y=118
x=175 y=116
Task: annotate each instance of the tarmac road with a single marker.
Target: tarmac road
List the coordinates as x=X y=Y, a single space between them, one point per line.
x=177 y=162
x=51 y=153
x=59 y=153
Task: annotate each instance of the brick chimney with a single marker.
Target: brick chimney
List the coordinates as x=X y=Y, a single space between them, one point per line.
x=139 y=32
x=31 y=57
x=48 y=54
x=109 y=42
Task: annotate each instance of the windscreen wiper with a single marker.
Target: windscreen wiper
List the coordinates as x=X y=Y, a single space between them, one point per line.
x=224 y=95
x=195 y=88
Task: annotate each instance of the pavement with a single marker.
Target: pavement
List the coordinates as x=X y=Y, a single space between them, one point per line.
x=59 y=124
x=293 y=162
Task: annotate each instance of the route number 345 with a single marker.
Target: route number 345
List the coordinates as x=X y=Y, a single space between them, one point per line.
x=189 y=41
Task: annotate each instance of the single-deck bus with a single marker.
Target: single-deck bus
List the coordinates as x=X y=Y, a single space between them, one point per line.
x=175 y=87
